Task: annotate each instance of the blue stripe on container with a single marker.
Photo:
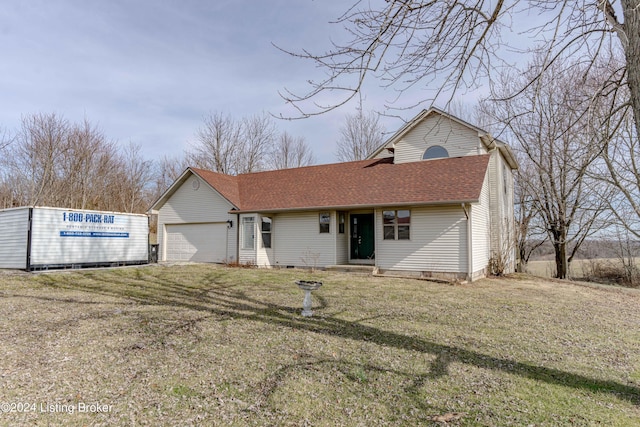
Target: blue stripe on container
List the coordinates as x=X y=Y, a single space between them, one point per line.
x=94 y=234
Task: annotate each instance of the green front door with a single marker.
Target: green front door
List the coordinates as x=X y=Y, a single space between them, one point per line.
x=362 y=243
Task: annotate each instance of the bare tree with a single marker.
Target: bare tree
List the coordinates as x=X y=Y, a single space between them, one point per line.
x=450 y=46
x=52 y=162
x=166 y=171
x=233 y=147
x=7 y=188
x=530 y=231
x=10 y=195
x=627 y=249
x=39 y=148
x=256 y=141
x=88 y=160
x=290 y=152
x=360 y=135
x=217 y=144
x=548 y=122
x=622 y=157
x=619 y=165
x=132 y=181
x=5 y=139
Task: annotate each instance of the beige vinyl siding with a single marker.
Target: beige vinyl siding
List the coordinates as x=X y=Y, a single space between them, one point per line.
x=342 y=243
x=494 y=200
x=480 y=223
x=14 y=230
x=509 y=217
x=501 y=208
x=265 y=257
x=501 y=205
x=438 y=242
x=457 y=139
x=204 y=205
x=298 y=241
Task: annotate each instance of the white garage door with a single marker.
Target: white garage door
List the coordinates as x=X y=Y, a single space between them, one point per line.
x=196 y=242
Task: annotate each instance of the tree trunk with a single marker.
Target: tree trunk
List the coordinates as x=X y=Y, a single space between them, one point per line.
x=559 y=241
x=522 y=263
x=631 y=10
x=561 y=259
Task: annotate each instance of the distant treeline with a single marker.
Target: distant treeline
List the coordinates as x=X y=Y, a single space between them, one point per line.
x=590 y=249
x=50 y=161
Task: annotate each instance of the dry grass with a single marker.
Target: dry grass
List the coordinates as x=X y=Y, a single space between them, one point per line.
x=602 y=270
x=200 y=345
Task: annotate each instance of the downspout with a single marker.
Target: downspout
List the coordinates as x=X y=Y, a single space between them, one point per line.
x=149 y=238
x=237 y=238
x=226 y=244
x=29 y=237
x=164 y=243
x=375 y=242
x=467 y=212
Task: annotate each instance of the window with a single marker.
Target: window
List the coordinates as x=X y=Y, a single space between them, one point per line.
x=396 y=225
x=248 y=233
x=266 y=232
x=388 y=224
x=325 y=222
x=435 y=152
x=404 y=222
x=341 y=218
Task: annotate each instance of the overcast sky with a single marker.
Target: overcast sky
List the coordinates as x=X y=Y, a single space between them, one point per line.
x=147 y=71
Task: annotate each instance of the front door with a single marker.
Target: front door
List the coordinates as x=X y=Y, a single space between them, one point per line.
x=362 y=243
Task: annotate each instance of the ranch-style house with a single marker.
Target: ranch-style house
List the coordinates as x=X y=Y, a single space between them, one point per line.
x=435 y=200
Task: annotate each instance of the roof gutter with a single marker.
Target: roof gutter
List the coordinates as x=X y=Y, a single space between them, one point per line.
x=354 y=207
x=492 y=143
x=509 y=156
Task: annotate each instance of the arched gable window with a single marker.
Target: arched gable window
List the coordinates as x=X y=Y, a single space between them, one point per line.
x=435 y=152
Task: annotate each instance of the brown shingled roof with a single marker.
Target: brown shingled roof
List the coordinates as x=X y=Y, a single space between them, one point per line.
x=375 y=182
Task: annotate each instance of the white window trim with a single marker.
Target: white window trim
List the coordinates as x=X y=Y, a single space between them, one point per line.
x=270 y=232
x=245 y=222
x=395 y=225
x=320 y=214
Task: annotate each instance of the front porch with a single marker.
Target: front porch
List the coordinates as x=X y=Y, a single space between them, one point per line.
x=352 y=268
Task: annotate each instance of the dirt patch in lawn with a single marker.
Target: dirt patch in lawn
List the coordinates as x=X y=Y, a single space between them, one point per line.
x=205 y=345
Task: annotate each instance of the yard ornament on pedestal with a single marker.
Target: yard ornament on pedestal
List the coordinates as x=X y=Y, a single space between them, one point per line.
x=307 y=287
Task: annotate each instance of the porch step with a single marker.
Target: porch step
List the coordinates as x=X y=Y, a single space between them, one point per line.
x=351 y=268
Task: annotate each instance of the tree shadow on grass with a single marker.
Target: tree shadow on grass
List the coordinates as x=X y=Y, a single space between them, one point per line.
x=230 y=301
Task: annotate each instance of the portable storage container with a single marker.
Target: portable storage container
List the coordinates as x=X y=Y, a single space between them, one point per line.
x=42 y=238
